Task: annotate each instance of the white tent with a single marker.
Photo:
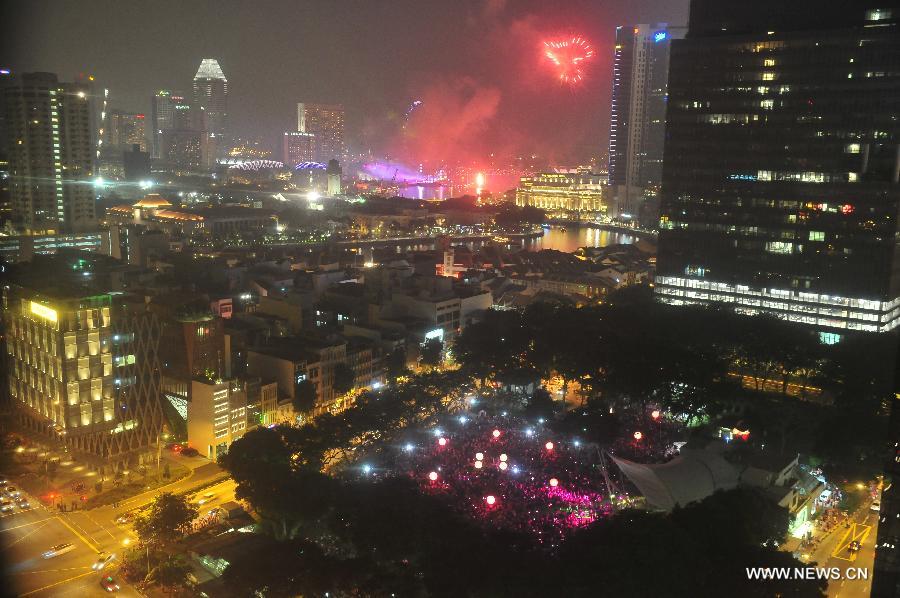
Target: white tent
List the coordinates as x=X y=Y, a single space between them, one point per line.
x=689 y=477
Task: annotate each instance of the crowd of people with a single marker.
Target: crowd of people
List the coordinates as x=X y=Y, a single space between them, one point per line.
x=513 y=476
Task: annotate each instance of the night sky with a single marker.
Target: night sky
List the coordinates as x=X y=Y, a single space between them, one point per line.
x=477 y=65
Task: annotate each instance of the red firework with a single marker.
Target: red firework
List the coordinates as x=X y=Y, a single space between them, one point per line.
x=568 y=57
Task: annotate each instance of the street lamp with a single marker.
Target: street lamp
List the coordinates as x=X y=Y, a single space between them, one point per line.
x=159 y=448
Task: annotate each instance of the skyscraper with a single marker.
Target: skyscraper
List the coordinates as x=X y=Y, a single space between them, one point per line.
x=638 y=119
x=127 y=129
x=298 y=147
x=51 y=154
x=162 y=116
x=886 y=574
x=326 y=122
x=211 y=96
x=780 y=185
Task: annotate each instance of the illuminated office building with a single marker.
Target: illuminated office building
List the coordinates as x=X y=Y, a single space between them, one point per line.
x=211 y=96
x=127 y=129
x=326 y=123
x=563 y=192
x=780 y=185
x=638 y=118
x=83 y=369
x=162 y=116
x=51 y=155
x=298 y=148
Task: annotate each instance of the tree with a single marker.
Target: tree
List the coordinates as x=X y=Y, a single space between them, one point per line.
x=431 y=352
x=170 y=573
x=305 y=397
x=396 y=363
x=343 y=378
x=169 y=518
x=541 y=405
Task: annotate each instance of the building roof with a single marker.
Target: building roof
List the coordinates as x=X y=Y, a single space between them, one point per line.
x=689 y=477
x=210 y=69
x=152 y=200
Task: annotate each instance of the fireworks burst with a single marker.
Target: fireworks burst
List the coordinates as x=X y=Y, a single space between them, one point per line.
x=568 y=57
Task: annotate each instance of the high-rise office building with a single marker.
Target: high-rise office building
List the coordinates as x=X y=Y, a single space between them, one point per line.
x=83 y=368
x=780 y=185
x=52 y=154
x=886 y=574
x=98 y=111
x=162 y=116
x=298 y=147
x=127 y=129
x=326 y=123
x=211 y=96
x=638 y=118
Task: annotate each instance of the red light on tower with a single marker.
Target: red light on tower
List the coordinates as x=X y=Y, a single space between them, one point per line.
x=554 y=482
x=638 y=435
x=549 y=446
x=655 y=414
x=496 y=433
x=490 y=499
x=433 y=476
x=442 y=441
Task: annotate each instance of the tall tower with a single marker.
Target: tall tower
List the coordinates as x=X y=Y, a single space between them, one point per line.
x=638 y=119
x=781 y=182
x=162 y=116
x=52 y=155
x=326 y=123
x=211 y=95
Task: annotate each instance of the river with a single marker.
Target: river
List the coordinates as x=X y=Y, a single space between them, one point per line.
x=569 y=239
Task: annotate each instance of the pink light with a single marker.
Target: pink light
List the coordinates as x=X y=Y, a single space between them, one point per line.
x=638 y=435
x=496 y=433
x=549 y=446
x=655 y=414
x=433 y=476
x=490 y=499
x=554 y=482
x=442 y=441
x=503 y=457
x=503 y=465
x=479 y=456
x=478 y=464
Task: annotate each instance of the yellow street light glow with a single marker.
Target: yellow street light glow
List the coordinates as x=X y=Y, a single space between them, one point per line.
x=43 y=311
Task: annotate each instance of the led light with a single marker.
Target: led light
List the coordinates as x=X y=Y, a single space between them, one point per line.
x=43 y=311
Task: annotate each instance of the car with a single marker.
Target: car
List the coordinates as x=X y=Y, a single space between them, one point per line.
x=58 y=550
x=854 y=546
x=109 y=584
x=189 y=451
x=103 y=560
x=875 y=506
x=13 y=491
x=125 y=518
x=206 y=498
x=23 y=503
x=6 y=506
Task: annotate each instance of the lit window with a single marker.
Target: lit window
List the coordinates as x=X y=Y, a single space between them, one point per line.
x=768 y=76
x=851 y=148
x=815 y=235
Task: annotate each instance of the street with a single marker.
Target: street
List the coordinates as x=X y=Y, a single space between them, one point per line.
x=26 y=534
x=835 y=552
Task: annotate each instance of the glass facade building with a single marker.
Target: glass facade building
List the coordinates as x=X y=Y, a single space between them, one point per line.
x=780 y=183
x=84 y=369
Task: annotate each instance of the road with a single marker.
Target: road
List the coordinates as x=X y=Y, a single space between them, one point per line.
x=835 y=552
x=27 y=534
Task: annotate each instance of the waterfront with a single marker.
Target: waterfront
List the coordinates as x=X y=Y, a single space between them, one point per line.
x=569 y=239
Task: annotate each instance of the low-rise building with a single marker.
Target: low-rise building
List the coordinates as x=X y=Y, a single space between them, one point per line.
x=216 y=415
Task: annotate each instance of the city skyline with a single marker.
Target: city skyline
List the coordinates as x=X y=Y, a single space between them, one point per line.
x=502 y=93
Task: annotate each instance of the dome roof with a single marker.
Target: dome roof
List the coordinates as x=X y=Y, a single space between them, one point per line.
x=153 y=200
